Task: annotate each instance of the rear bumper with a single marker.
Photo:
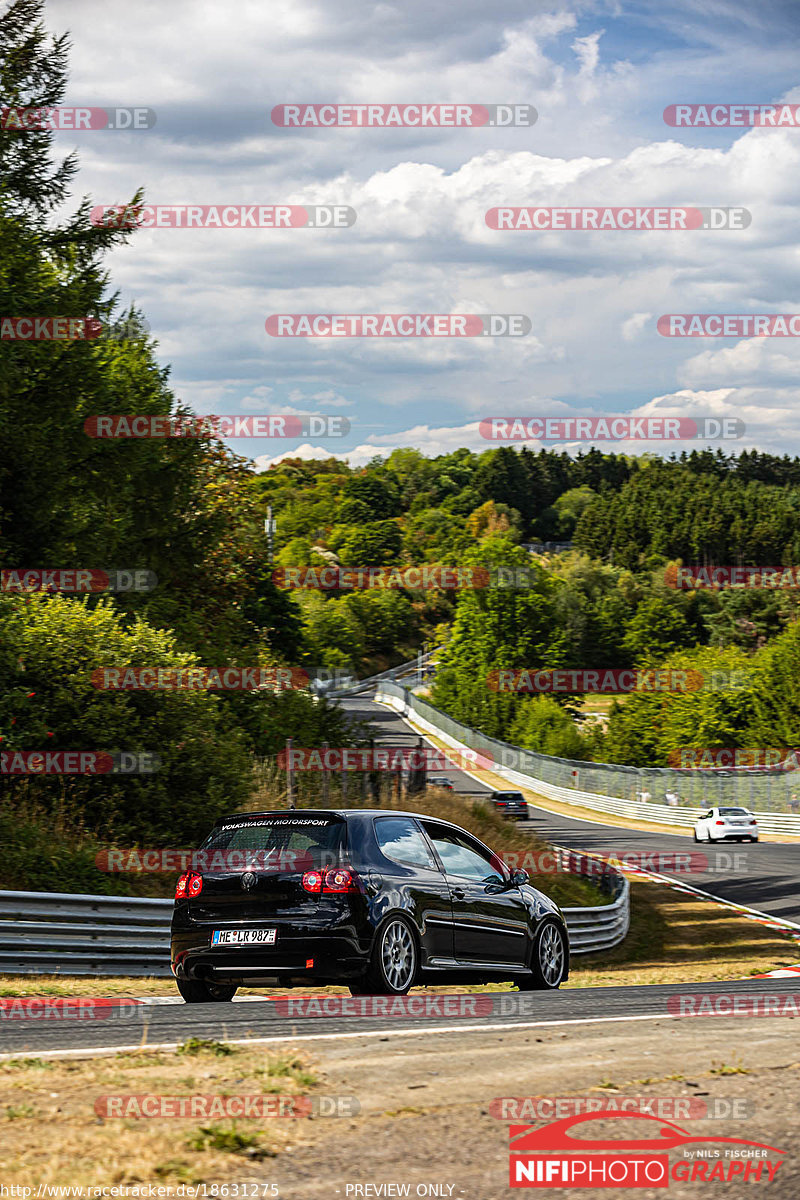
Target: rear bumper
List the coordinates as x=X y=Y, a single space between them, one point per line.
x=296 y=954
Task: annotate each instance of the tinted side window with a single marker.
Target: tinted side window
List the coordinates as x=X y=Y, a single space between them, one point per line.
x=460 y=858
x=400 y=839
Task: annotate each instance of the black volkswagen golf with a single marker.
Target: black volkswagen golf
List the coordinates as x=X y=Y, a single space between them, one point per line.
x=373 y=899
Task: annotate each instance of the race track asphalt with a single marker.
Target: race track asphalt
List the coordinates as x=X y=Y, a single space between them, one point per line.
x=167 y=1023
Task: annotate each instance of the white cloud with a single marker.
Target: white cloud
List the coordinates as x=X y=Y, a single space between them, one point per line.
x=358 y=457
x=750 y=361
x=633 y=327
x=599 y=79
x=325 y=399
x=257 y=398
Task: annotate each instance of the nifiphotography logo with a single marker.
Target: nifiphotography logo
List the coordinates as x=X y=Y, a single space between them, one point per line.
x=552 y=1156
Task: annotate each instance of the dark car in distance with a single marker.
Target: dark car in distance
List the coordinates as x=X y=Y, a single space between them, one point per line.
x=511 y=804
x=372 y=899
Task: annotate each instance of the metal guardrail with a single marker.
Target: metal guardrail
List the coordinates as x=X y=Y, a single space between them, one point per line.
x=560 y=779
x=603 y=926
x=60 y=933
x=393 y=673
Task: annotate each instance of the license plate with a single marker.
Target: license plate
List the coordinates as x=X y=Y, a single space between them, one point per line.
x=244 y=937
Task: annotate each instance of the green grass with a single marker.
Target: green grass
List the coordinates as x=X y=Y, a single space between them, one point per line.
x=229 y=1141
x=17 y=1112
x=289 y=1068
x=194 y=1045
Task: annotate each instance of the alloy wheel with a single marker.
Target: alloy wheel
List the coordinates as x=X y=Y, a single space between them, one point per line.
x=551 y=954
x=398 y=955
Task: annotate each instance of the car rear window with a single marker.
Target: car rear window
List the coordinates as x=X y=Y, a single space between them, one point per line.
x=316 y=841
x=734 y=812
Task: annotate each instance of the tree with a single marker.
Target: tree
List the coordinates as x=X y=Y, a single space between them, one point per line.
x=179 y=507
x=656 y=629
x=543 y=725
x=48 y=701
x=496 y=627
x=502 y=477
x=492 y=518
x=716 y=708
x=557 y=523
x=377 y=491
x=378 y=543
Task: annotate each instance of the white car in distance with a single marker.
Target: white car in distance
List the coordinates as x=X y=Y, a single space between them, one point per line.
x=726 y=824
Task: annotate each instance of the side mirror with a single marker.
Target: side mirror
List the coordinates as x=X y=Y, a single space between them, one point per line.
x=494 y=883
x=519 y=877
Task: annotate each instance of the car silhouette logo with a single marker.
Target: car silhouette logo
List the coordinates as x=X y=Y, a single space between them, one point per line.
x=248 y=881
x=557 y=1136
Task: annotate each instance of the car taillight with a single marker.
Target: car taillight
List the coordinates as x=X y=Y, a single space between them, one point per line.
x=753 y=821
x=341 y=879
x=502 y=803
x=719 y=822
x=195 y=885
x=338 y=881
x=180 y=887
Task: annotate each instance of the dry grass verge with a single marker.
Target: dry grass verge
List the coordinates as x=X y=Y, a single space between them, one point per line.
x=677 y=938
x=50 y=1133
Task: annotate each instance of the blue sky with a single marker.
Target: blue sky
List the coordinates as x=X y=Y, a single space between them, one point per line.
x=599 y=74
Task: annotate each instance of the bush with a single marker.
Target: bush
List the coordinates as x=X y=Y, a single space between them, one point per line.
x=52 y=646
